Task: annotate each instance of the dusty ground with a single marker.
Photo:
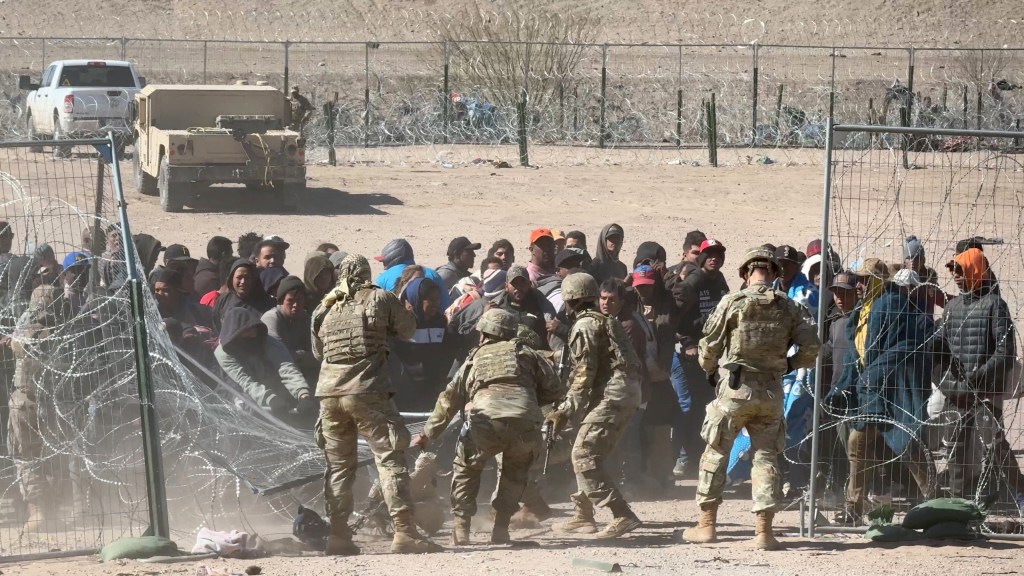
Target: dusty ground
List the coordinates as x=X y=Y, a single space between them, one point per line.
x=653 y=549
x=361 y=208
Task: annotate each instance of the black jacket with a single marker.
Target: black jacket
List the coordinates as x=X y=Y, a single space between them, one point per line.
x=696 y=297
x=978 y=330
x=205 y=278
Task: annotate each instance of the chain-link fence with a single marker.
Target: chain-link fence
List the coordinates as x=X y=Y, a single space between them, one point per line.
x=920 y=386
x=457 y=101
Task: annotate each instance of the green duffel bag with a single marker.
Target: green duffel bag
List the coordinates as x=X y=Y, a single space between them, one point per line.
x=138 y=548
x=950 y=530
x=932 y=512
x=891 y=533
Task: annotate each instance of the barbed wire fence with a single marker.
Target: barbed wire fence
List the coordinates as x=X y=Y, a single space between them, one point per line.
x=459 y=101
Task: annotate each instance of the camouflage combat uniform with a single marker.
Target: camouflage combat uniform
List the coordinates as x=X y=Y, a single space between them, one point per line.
x=604 y=388
x=351 y=331
x=506 y=382
x=301 y=110
x=752 y=330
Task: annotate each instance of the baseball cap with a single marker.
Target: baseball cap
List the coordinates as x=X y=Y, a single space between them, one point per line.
x=557 y=234
x=539 y=233
x=844 y=280
x=76 y=259
x=785 y=252
x=643 y=275
x=906 y=277
x=873 y=267
x=568 y=256
x=615 y=230
x=517 y=271
x=814 y=248
x=711 y=243
x=177 y=252
x=273 y=238
x=459 y=244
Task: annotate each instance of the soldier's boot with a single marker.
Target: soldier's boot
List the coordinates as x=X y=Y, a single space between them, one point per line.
x=623 y=521
x=582 y=521
x=340 y=546
x=407 y=539
x=704 y=532
x=764 y=539
x=499 y=534
x=460 y=531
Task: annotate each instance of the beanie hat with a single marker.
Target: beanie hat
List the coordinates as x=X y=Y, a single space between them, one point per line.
x=912 y=248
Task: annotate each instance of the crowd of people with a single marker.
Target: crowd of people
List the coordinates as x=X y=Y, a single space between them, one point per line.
x=897 y=352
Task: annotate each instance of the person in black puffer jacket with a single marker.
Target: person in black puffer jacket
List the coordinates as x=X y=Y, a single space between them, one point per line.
x=977 y=336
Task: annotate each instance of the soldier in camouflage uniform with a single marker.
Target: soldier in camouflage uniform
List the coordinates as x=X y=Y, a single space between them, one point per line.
x=302 y=111
x=506 y=383
x=750 y=330
x=604 y=391
x=351 y=330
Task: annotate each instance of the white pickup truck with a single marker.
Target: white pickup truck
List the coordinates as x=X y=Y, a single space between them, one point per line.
x=82 y=98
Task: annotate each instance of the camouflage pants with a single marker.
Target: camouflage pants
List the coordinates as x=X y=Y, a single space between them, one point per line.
x=26 y=444
x=374 y=417
x=594 y=444
x=517 y=442
x=756 y=406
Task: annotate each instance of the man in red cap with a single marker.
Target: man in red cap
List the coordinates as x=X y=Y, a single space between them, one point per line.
x=542 y=254
x=696 y=297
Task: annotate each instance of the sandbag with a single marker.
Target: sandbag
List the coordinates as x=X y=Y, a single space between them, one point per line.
x=951 y=530
x=891 y=533
x=932 y=512
x=138 y=548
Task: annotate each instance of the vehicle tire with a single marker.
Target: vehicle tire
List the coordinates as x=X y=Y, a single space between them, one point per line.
x=144 y=183
x=172 y=195
x=287 y=200
x=58 y=134
x=32 y=135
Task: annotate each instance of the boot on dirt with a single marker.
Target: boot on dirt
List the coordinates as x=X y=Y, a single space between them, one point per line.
x=460 y=531
x=764 y=539
x=340 y=546
x=582 y=521
x=408 y=540
x=624 y=520
x=499 y=534
x=704 y=531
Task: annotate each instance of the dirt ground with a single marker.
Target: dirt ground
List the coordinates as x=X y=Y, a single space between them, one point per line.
x=654 y=549
x=360 y=207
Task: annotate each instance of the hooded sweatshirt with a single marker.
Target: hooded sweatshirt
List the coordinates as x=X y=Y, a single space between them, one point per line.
x=398 y=254
x=257 y=300
x=205 y=279
x=606 y=265
x=262 y=366
x=315 y=264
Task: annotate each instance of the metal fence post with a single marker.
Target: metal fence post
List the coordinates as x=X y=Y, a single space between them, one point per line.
x=446 y=101
x=366 y=95
x=819 y=363
x=604 y=82
x=205 y=51
x=524 y=153
x=679 y=99
x=124 y=48
x=156 y=489
x=287 y=46
x=910 y=85
x=753 y=106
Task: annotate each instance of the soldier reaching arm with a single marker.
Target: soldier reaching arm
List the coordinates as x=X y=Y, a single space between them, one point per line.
x=351 y=330
x=302 y=111
x=751 y=331
x=604 y=390
x=506 y=383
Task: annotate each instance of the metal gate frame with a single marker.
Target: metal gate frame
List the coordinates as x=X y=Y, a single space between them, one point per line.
x=808 y=522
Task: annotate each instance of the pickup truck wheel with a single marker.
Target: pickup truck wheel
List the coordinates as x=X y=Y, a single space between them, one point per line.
x=172 y=195
x=58 y=134
x=32 y=135
x=145 y=183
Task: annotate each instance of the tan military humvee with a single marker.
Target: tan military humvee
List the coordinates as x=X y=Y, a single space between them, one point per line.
x=189 y=137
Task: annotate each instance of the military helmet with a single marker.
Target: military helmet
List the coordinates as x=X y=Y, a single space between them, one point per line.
x=759 y=254
x=580 y=286
x=498 y=323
